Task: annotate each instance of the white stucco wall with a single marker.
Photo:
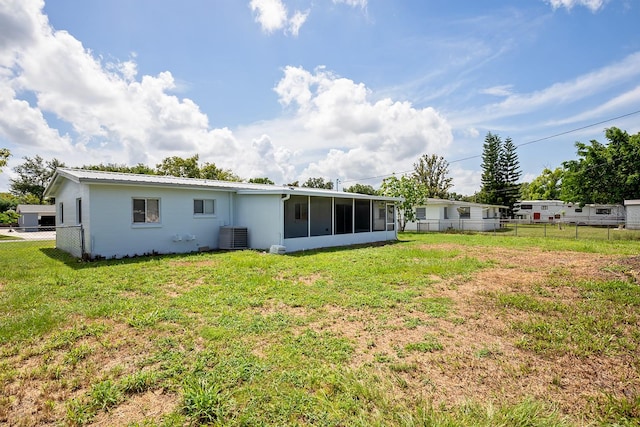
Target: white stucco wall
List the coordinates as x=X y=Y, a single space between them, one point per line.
x=262 y=215
x=112 y=233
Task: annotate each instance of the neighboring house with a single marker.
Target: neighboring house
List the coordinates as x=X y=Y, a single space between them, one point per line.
x=541 y=211
x=120 y=215
x=443 y=214
x=633 y=214
x=34 y=216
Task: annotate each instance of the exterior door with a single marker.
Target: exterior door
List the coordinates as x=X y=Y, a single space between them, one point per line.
x=536 y=216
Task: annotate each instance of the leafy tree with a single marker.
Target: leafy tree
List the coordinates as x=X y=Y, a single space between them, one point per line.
x=318 y=183
x=189 y=168
x=431 y=171
x=294 y=184
x=361 y=189
x=4 y=157
x=264 y=180
x=211 y=171
x=33 y=176
x=546 y=186
x=9 y=201
x=410 y=190
x=177 y=166
x=112 y=167
x=604 y=173
x=9 y=217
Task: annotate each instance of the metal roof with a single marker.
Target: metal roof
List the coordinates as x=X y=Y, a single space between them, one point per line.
x=39 y=209
x=102 y=177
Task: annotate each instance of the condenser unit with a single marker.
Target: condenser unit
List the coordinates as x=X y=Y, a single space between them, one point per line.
x=233 y=238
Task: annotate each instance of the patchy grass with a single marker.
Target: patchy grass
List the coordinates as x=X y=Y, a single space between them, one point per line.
x=433 y=330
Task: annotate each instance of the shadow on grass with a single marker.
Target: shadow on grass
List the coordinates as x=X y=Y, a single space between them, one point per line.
x=347 y=248
x=78 y=264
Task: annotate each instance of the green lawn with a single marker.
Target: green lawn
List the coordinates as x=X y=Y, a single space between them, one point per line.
x=360 y=336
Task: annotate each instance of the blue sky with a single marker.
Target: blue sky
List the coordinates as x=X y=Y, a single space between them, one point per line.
x=353 y=90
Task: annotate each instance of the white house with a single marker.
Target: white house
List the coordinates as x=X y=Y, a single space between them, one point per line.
x=633 y=214
x=541 y=211
x=443 y=214
x=113 y=215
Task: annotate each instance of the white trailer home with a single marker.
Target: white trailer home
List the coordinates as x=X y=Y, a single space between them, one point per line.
x=114 y=215
x=551 y=211
x=443 y=214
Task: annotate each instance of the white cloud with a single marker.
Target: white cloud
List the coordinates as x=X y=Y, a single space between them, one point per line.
x=503 y=90
x=296 y=22
x=59 y=100
x=593 y=5
x=272 y=15
x=353 y=3
x=360 y=138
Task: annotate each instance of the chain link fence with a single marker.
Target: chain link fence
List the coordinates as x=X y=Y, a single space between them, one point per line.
x=68 y=238
x=558 y=230
x=525 y=228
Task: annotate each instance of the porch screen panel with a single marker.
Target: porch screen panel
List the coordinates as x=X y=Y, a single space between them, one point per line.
x=320 y=216
x=296 y=217
x=363 y=216
x=379 y=216
x=391 y=217
x=344 y=216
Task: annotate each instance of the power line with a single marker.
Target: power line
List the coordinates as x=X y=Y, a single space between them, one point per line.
x=517 y=145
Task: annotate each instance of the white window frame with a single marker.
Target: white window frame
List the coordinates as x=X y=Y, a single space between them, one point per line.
x=205 y=204
x=421 y=213
x=148 y=221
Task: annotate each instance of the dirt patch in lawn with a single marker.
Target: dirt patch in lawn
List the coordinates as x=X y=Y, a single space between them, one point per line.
x=472 y=353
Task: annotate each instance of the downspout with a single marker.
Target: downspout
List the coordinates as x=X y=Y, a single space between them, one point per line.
x=284 y=198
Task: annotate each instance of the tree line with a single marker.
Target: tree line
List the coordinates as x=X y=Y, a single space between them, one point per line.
x=602 y=173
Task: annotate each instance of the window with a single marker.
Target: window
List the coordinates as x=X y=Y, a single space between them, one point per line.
x=61 y=213
x=446 y=213
x=204 y=207
x=464 y=212
x=526 y=207
x=146 y=211
x=421 y=213
x=78 y=211
x=544 y=207
x=603 y=211
x=578 y=210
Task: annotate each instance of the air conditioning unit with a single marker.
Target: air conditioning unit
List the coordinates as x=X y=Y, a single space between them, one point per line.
x=233 y=238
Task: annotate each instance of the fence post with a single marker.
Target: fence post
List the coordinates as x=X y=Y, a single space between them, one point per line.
x=516 y=228
x=576 y=230
x=545 y=229
x=608 y=232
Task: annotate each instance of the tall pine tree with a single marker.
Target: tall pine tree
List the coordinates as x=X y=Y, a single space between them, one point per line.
x=500 y=172
x=491 y=171
x=510 y=167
